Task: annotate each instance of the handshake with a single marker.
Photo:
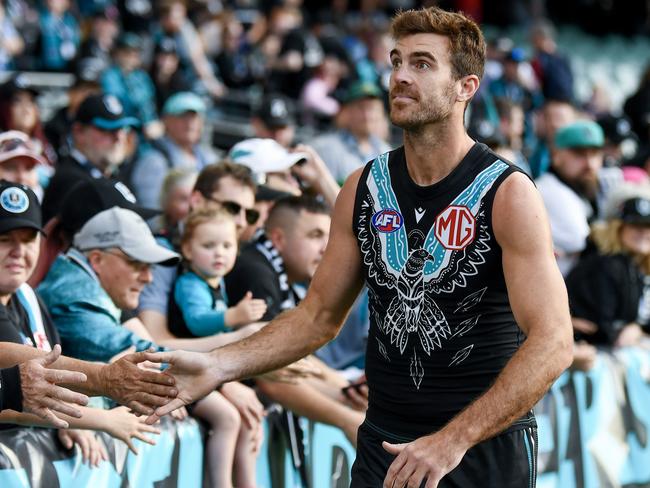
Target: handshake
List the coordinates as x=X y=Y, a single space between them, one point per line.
x=51 y=383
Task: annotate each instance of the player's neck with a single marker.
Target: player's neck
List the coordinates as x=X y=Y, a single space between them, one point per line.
x=433 y=152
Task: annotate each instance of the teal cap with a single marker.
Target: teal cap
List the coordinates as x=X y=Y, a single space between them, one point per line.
x=580 y=134
x=360 y=90
x=182 y=102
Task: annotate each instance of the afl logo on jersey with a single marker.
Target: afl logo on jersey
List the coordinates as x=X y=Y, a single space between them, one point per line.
x=455 y=227
x=387 y=220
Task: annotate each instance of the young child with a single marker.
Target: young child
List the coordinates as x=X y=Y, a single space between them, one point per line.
x=199 y=308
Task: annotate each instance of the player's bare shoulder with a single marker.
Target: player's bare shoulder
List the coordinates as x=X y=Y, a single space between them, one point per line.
x=518 y=213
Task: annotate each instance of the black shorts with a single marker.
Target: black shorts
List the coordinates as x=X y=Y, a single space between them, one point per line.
x=508 y=460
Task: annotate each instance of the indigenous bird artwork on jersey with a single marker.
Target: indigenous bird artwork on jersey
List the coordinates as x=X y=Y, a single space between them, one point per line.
x=420 y=264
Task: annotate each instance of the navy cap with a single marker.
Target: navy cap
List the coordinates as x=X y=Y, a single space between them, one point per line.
x=19 y=208
x=128 y=40
x=636 y=211
x=16 y=84
x=104 y=112
x=276 y=111
x=97 y=195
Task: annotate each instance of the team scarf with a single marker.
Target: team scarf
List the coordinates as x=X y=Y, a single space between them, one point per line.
x=290 y=294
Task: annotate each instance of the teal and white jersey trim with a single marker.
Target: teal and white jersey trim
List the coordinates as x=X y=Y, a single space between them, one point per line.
x=394 y=245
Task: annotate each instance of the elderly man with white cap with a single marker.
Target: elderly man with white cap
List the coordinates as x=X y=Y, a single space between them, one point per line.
x=102 y=274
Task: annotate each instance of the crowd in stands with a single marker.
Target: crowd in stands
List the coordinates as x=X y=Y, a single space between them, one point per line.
x=124 y=227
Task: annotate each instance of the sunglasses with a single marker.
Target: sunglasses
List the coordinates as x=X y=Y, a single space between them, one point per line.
x=234 y=209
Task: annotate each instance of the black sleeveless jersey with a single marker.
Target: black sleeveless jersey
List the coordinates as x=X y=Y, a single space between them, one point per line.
x=441 y=326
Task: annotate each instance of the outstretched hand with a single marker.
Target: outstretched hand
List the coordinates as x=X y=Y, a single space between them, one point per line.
x=428 y=459
x=140 y=390
x=42 y=396
x=194 y=377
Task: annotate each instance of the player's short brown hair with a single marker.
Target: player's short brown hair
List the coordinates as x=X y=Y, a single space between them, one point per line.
x=465 y=37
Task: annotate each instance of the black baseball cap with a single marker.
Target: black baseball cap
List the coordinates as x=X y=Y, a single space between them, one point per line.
x=166 y=45
x=617 y=128
x=276 y=111
x=636 y=211
x=104 y=112
x=19 y=208
x=87 y=198
x=88 y=71
x=129 y=40
x=15 y=84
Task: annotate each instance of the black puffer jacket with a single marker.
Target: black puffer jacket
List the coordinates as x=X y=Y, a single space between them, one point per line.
x=605 y=289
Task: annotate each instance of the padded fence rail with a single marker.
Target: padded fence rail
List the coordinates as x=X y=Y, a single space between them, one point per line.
x=594 y=432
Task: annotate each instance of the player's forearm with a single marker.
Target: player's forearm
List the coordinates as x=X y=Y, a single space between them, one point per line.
x=522 y=383
x=291 y=336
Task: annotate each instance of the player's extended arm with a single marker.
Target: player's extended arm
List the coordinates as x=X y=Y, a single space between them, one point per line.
x=293 y=334
x=539 y=301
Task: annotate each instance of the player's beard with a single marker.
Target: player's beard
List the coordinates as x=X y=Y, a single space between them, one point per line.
x=425 y=111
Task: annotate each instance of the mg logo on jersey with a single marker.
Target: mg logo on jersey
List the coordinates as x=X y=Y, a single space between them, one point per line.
x=455 y=227
x=387 y=220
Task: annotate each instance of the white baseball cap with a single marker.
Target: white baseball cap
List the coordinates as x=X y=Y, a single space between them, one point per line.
x=264 y=156
x=127 y=231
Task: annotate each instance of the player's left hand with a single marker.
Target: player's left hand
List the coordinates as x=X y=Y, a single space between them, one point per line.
x=427 y=458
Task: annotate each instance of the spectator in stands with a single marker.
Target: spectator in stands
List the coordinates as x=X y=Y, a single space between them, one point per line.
x=173 y=22
x=60 y=36
x=19 y=159
x=25 y=320
x=103 y=274
x=617 y=130
x=609 y=290
x=11 y=43
x=235 y=61
x=571 y=190
x=225 y=184
x=86 y=83
x=275 y=119
x=98 y=148
x=100 y=275
x=282 y=259
x=290 y=171
x=300 y=52
x=355 y=142
x=552 y=69
x=183 y=117
x=317 y=95
x=512 y=85
x=165 y=73
x=511 y=126
x=98 y=195
x=104 y=28
x=554 y=114
x=131 y=85
x=175 y=204
x=637 y=108
x=19 y=111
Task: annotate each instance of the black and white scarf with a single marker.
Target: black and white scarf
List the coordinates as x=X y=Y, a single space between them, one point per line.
x=291 y=295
